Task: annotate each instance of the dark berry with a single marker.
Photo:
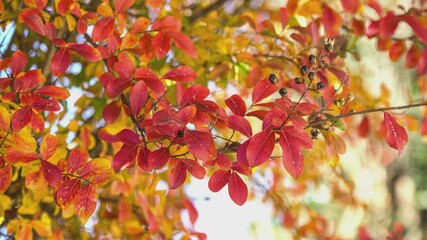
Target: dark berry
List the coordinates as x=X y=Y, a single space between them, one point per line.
x=314 y=133
x=180 y=133
x=321 y=64
x=312 y=59
x=299 y=80
x=320 y=85
x=311 y=76
x=272 y=78
x=304 y=70
x=283 y=92
x=328 y=47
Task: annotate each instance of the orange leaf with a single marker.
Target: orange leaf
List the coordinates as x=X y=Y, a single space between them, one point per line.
x=15 y=156
x=48 y=146
x=65 y=6
x=61 y=61
x=122 y=5
x=129 y=41
x=54 y=92
x=67 y=191
x=98 y=171
x=413 y=56
x=331 y=21
x=33 y=19
x=192 y=211
x=28 y=80
x=5 y=178
x=396 y=50
x=336 y=141
x=4 y=119
x=35 y=180
x=86 y=51
x=85 y=201
x=42 y=229
x=76 y=160
x=140 y=25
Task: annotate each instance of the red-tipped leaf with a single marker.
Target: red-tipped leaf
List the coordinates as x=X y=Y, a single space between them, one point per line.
x=181 y=74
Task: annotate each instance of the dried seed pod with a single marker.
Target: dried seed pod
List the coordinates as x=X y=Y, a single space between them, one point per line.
x=314 y=133
x=320 y=85
x=312 y=59
x=321 y=64
x=328 y=47
x=311 y=76
x=283 y=92
x=272 y=78
x=304 y=70
x=299 y=80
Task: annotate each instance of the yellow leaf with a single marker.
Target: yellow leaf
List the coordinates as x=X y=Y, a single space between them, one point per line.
x=105 y=10
x=4 y=119
x=129 y=41
x=310 y=8
x=24 y=141
x=58 y=22
x=335 y=141
x=42 y=229
x=71 y=22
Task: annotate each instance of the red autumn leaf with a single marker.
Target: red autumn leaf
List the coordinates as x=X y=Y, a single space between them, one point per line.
x=37 y=122
x=192 y=211
x=102 y=29
x=67 y=191
x=161 y=44
x=138 y=97
x=46 y=105
x=61 y=61
x=260 y=148
x=237 y=189
x=350 y=5
x=284 y=16
x=186 y=114
x=219 y=179
x=239 y=124
x=396 y=135
x=15 y=156
x=181 y=74
x=422 y=63
x=358 y=27
x=418 y=26
x=111 y=112
x=33 y=19
x=34 y=180
x=396 y=50
x=5 y=178
x=200 y=144
x=86 y=51
x=48 y=146
x=142 y=159
x=77 y=160
x=151 y=80
x=140 y=25
x=423 y=127
x=21 y=118
x=85 y=201
x=184 y=43
x=122 y=5
x=194 y=168
x=65 y=6
x=293 y=160
x=53 y=92
x=178 y=175
x=168 y=24
x=195 y=93
x=413 y=56
x=388 y=25
x=376 y=6
x=125 y=157
x=28 y=80
x=364 y=127
x=242 y=160
x=332 y=21
x=117 y=86
x=273 y=119
x=373 y=29
x=158 y=158
x=51 y=173
x=236 y=104
x=223 y=161
x=128 y=137
x=98 y=171
x=262 y=89
x=18 y=62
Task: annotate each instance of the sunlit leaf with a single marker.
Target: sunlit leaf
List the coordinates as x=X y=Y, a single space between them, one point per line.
x=200 y=144
x=236 y=104
x=102 y=29
x=48 y=146
x=51 y=173
x=396 y=136
x=161 y=44
x=33 y=19
x=262 y=89
x=239 y=124
x=181 y=74
x=260 y=148
x=168 y=23
x=85 y=201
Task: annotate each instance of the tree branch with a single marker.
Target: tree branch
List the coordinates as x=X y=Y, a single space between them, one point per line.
x=368 y=111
